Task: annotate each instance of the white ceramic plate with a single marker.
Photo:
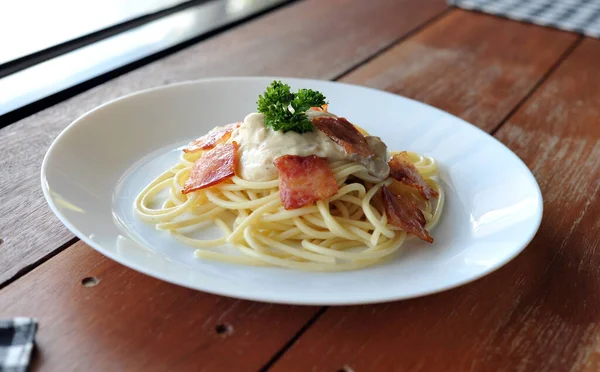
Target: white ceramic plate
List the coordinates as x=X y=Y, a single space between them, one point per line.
x=97 y=165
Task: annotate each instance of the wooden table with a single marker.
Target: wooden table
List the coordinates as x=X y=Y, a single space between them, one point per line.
x=535 y=89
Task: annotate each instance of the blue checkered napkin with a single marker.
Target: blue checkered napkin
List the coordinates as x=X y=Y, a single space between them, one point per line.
x=581 y=16
x=16 y=343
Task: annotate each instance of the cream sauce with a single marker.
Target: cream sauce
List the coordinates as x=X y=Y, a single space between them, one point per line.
x=260 y=146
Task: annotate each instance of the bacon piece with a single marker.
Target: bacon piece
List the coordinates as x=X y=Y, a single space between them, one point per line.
x=344 y=134
x=214 y=166
x=212 y=138
x=304 y=180
x=321 y=108
x=403 y=170
x=404 y=213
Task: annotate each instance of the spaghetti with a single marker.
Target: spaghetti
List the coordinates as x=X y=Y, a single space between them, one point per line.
x=295 y=186
x=348 y=231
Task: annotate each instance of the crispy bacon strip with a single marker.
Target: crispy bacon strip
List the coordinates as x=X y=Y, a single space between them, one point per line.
x=212 y=138
x=304 y=180
x=321 y=108
x=344 y=134
x=403 y=170
x=404 y=213
x=214 y=166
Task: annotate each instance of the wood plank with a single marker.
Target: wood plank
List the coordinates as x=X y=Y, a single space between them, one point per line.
x=57 y=271
x=539 y=312
x=291 y=41
x=471 y=65
x=131 y=322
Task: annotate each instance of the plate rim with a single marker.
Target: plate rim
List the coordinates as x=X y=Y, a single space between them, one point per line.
x=267 y=297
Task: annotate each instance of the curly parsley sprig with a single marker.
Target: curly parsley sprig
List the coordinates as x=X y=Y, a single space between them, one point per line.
x=285 y=110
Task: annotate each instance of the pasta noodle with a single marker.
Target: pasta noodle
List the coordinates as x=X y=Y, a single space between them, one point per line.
x=346 y=232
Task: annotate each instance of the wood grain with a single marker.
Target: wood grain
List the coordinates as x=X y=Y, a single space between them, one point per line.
x=471 y=65
x=308 y=39
x=130 y=311
x=539 y=312
x=131 y=322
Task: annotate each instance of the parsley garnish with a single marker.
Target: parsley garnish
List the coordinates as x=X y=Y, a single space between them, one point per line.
x=285 y=110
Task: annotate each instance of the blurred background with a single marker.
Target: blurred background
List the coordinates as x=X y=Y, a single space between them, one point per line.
x=52 y=50
x=51 y=47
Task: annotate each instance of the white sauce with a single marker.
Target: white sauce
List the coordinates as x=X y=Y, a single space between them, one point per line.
x=377 y=165
x=260 y=146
